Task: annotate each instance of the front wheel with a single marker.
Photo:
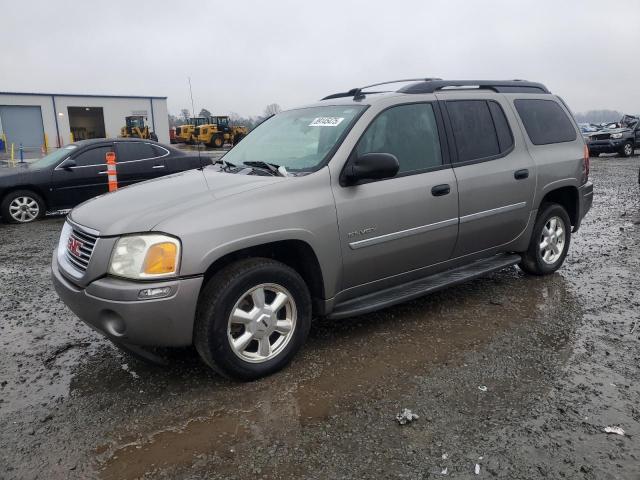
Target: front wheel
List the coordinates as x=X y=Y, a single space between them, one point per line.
x=549 y=241
x=22 y=206
x=627 y=150
x=252 y=318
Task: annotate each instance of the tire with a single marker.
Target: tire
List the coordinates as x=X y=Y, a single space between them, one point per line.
x=233 y=289
x=22 y=206
x=217 y=141
x=534 y=261
x=594 y=154
x=238 y=138
x=627 y=150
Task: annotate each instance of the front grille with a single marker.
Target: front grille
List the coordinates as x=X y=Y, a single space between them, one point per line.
x=79 y=248
x=601 y=136
x=197 y=131
x=177 y=130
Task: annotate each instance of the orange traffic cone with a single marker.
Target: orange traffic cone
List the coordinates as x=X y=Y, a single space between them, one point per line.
x=111 y=171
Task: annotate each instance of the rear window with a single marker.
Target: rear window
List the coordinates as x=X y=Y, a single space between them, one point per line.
x=545 y=121
x=135 y=151
x=480 y=129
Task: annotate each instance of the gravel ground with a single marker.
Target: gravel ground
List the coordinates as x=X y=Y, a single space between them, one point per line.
x=511 y=376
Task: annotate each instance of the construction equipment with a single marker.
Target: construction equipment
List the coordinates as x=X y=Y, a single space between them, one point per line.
x=137 y=128
x=219 y=131
x=184 y=133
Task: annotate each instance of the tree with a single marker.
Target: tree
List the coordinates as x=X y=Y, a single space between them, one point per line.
x=205 y=113
x=272 y=109
x=184 y=113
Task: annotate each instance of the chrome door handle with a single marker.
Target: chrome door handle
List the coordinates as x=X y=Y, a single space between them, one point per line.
x=158 y=166
x=104 y=172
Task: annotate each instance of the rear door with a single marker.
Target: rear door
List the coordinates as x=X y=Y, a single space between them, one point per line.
x=393 y=226
x=496 y=175
x=138 y=161
x=86 y=180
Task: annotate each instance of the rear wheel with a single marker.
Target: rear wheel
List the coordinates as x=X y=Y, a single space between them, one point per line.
x=22 y=206
x=549 y=241
x=252 y=318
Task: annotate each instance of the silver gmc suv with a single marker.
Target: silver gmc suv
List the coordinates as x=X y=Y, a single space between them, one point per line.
x=360 y=201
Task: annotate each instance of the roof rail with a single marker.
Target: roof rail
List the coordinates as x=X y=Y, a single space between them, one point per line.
x=358 y=94
x=430 y=85
x=502 y=86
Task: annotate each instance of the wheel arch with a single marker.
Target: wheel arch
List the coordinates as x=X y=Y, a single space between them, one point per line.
x=567 y=197
x=295 y=253
x=35 y=189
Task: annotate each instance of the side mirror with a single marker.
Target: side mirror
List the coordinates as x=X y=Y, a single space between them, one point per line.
x=68 y=164
x=371 y=166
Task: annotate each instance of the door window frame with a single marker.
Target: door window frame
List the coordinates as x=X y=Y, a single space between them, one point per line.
x=74 y=155
x=117 y=143
x=442 y=139
x=452 y=141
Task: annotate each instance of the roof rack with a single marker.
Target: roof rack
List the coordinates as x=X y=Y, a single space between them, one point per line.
x=431 y=85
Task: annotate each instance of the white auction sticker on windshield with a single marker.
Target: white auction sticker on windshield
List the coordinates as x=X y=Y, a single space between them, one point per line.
x=326 y=122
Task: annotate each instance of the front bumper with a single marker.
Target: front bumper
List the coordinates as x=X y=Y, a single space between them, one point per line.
x=585 y=200
x=111 y=306
x=606 y=146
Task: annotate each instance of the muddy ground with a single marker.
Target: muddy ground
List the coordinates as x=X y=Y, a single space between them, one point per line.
x=558 y=356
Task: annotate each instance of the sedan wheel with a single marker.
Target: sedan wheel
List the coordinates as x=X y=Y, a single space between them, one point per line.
x=627 y=150
x=22 y=207
x=552 y=240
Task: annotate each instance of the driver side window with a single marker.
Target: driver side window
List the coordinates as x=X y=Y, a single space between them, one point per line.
x=409 y=132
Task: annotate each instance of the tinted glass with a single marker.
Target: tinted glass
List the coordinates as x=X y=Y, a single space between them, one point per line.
x=135 y=151
x=473 y=129
x=505 y=138
x=409 y=132
x=545 y=121
x=95 y=156
x=159 y=151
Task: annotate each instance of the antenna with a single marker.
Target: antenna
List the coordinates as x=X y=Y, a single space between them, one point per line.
x=193 y=115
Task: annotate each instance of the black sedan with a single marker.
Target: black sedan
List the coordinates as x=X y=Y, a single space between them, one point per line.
x=78 y=172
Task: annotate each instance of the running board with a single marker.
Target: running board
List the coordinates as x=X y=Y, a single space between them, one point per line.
x=417 y=288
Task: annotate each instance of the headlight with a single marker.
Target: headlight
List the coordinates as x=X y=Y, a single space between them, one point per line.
x=145 y=256
x=64 y=239
x=616 y=135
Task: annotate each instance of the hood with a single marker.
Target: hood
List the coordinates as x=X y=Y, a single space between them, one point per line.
x=138 y=208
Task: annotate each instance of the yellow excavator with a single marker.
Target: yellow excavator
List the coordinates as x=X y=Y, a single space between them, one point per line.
x=184 y=133
x=218 y=131
x=137 y=128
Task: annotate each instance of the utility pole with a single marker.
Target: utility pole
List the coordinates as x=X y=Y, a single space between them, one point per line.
x=193 y=110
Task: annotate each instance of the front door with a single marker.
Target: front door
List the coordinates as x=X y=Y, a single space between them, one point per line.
x=389 y=227
x=496 y=183
x=87 y=179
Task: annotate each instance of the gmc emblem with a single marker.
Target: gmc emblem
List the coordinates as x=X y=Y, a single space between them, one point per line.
x=74 y=246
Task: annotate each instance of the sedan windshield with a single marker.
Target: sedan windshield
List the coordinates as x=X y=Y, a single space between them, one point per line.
x=298 y=140
x=54 y=157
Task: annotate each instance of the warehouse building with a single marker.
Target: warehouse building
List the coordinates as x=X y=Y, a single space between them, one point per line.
x=50 y=120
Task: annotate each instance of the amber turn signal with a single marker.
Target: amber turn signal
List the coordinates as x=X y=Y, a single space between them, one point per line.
x=161 y=259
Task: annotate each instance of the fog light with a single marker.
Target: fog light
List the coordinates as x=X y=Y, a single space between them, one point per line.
x=148 y=293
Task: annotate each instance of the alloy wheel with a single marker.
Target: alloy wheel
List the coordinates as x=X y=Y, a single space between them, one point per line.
x=262 y=323
x=24 y=209
x=552 y=240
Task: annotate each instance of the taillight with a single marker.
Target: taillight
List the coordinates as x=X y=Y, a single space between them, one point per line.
x=585 y=159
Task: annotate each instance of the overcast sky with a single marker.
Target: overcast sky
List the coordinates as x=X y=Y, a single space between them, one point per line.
x=242 y=56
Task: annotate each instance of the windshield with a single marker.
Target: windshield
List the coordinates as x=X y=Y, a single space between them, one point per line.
x=298 y=140
x=54 y=157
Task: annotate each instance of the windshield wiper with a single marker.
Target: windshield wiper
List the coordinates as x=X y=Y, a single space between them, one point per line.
x=275 y=170
x=224 y=163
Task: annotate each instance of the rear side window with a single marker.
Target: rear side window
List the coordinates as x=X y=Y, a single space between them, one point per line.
x=545 y=121
x=95 y=156
x=480 y=129
x=128 y=151
x=409 y=132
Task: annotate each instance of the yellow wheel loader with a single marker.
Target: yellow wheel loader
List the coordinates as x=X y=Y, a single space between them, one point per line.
x=137 y=128
x=184 y=133
x=219 y=131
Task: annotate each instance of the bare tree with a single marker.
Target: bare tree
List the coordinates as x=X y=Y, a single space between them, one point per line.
x=184 y=113
x=272 y=109
x=205 y=113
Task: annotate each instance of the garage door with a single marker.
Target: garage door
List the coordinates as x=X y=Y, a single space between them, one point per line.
x=22 y=125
